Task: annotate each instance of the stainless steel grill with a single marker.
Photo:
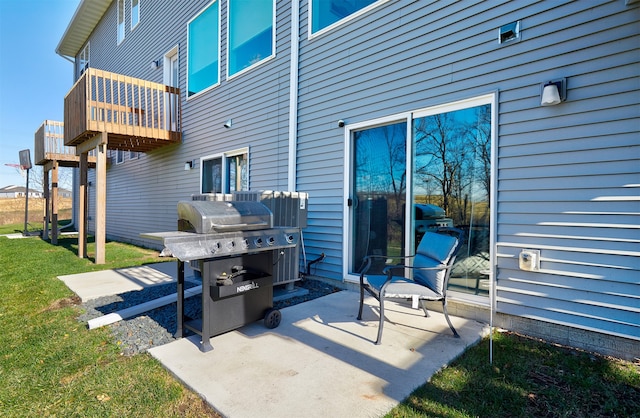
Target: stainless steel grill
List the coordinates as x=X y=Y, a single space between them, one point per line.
x=233 y=244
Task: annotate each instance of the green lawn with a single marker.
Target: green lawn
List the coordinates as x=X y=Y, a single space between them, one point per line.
x=52 y=365
x=528 y=378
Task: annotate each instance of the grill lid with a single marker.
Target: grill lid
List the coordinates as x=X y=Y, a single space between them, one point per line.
x=205 y=217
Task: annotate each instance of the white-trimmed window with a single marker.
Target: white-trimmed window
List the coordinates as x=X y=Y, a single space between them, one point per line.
x=135 y=13
x=119 y=156
x=83 y=61
x=329 y=13
x=121 y=27
x=203 y=50
x=250 y=33
x=133 y=155
x=225 y=173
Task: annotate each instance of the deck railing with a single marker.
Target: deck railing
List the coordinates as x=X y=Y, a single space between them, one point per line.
x=138 y=115
x=49 y=144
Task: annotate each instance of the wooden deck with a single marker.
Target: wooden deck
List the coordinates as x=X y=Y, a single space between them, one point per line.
x=136 y=115
x=49 y=146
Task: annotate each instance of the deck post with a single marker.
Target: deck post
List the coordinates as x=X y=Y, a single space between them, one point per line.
x=45 y=189
x=101 y=199
x=82 y=205
x=54 y=202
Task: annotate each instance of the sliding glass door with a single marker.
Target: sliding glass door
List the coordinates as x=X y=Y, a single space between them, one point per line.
x=443 y=170
x=452 y=186
x=378 y=191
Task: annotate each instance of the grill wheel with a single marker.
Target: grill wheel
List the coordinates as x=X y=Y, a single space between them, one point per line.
x=272 y=318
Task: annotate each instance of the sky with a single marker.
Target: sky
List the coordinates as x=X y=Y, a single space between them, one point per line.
x=33 y=78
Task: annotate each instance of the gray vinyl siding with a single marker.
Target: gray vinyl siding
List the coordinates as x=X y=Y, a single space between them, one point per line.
x=568 y=176
x=142 y=194
x=568 y=182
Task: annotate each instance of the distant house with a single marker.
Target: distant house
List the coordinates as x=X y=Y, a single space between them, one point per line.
x=517 y=121
x=18 y=191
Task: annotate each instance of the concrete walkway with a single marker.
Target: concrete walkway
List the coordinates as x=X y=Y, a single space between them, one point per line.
x=320 y=362
x=114 y=282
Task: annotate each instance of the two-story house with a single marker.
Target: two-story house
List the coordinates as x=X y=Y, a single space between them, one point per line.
x=516 y=121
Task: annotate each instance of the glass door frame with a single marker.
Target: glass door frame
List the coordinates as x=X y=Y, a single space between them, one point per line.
x=408 y=117
x=348 y=214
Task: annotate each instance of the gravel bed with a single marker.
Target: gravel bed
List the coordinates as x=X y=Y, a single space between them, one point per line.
x=156 y=327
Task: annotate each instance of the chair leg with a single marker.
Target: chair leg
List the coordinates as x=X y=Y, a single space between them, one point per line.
x=446 y=316
x=424 y=308
x=379 y=340
x=361 y=303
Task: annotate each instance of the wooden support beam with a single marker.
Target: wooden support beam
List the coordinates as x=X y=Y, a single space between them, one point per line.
x=101 y=200
x=89 y=145
x=45 y=216
x=83 y=205
x=54 y=203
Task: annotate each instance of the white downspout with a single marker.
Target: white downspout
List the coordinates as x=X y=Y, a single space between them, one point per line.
x=293 y=96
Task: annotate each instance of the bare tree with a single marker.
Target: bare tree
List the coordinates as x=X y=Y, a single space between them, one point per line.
x=440 y=156
x=36 y=178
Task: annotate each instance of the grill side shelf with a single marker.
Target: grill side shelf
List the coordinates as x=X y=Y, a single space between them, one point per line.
x=187 y=246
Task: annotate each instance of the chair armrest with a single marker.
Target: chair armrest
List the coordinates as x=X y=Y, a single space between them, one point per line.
x=440 y=267
x=367 y=260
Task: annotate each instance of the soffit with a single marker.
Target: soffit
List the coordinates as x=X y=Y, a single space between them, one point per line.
x=84 y=21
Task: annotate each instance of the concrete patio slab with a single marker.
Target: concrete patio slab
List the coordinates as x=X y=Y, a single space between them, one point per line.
x=321 y=361
x=113 y=282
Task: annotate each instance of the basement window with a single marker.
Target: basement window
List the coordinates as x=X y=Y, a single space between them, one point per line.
x=225 y=173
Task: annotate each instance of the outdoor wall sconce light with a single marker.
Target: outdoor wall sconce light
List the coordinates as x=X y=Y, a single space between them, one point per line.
x=155 y=64
x=228 y=124
x=340 y=123
x=188 y=165
x=553 y=92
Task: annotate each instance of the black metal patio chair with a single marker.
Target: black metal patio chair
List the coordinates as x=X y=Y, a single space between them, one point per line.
x=430 y=267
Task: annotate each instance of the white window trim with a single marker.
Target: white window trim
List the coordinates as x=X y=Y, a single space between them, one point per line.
x=343 y=21
x=124 y=18
x=262 y=61
x=489 y=98
x=224 y=156
x=131 y=8
x=175 y=51
x=87 y=49
x=200 y=93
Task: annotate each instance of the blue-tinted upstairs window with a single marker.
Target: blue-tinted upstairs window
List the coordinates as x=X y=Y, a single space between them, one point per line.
x=203 y=50
x=250 y=32
x=325 y=13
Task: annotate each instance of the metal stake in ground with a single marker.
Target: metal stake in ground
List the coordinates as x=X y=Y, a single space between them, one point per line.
x=25 y=164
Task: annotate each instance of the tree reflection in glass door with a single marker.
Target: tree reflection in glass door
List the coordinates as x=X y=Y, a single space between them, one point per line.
x=378 y=192
x=451 y=186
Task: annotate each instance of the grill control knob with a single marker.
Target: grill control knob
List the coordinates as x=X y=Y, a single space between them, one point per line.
x=271 y=240
x=258 y=242
x=231 y=245
x=289 y=238
x=245 y=244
